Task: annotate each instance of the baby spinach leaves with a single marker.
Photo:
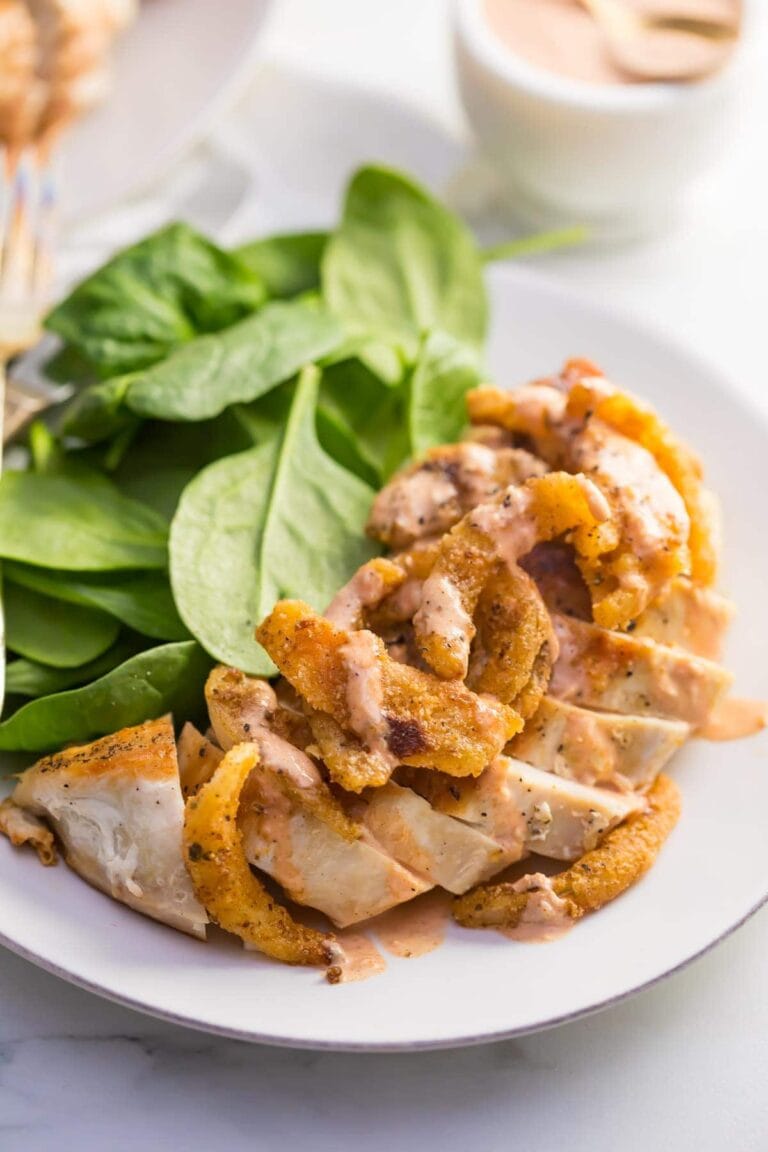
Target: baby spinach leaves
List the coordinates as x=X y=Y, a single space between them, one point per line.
x=282 y=519
x=64 y=635
x=201 y=379
x=401 y=263
x=153 y=296
x=62 y=522
x=140 y=600
x=289 y=264
x=168 y=678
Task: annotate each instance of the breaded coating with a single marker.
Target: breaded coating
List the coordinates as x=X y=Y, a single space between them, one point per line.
x=515 y=646
x=645 y=545
x=400 y=712
x=507 y=529
x=372 y=583
x=638 y=422
x=350 y=764
x=222 y=878
x=598 y=877
x=22 y=827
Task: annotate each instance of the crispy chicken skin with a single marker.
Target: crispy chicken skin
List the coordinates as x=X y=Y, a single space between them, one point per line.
x=646 y=542
x=625 y=854
x=504 y=530
x=117 y=810
x=222 y=878
x=405 y=714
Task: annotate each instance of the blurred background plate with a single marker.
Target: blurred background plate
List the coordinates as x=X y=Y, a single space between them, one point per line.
x=176 y=68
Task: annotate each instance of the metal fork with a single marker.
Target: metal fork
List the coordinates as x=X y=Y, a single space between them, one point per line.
x=27 y=239
x=27 y=231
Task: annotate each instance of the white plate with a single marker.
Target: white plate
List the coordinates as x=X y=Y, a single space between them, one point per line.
x=174 y=69
x=711 y=875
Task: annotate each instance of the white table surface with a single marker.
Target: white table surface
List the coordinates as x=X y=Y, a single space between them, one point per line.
x=684 y=1065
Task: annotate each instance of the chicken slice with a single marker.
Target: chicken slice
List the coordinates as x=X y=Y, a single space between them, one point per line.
x=349 y=878
x=690 y=616
x=397 y=712
x=505 y=530
x=450 y=853
x=618 y=673
x=604 y=873
x=598 y=748
x=646 y=543
x=116 y=808
x=527 y=810
x=430 y=496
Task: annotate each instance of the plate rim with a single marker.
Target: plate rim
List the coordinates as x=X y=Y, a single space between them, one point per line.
x=739 y=397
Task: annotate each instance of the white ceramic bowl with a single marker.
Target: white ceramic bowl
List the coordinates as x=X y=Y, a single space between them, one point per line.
x=615 y=157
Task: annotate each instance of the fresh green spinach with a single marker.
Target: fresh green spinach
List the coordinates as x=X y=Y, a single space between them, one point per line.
x=288 y=264
x=282 y=519
x=63 y=635
x=400 y=263
x=32 y=678
x=63 y=522
x=201 y=379
x=169 y=678
x=153 y=296
x=141 y=600
x=444 y=372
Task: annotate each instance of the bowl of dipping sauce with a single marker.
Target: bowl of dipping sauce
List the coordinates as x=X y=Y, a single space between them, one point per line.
x=573 y=138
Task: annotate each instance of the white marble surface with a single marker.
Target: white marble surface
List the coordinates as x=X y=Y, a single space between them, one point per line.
x=682 y=1065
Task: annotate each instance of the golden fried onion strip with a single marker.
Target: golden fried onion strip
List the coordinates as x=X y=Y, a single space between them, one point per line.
x=598 y=877
x=222 y=879
x=421 y=721
x=541 y=509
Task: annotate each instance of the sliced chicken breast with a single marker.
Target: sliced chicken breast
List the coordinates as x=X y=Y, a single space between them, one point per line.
x=450 y=853
x=598 y=747
x=618 y=673
x=117 y=810
x=347 y=879
x=527 y=810
x=689 y=616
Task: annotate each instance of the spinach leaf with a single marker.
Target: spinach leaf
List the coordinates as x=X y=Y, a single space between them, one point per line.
x=31 y=678
x=44 y=629
x=442 y=375
x=142 y=600
x=169 y=678
x=157 y=476
x=63 y=522
x=153 y=296
x=98 y=412
x=288 y=264
x=361 y=421
x=202 y=378
x=401 y=263
x=282 y=519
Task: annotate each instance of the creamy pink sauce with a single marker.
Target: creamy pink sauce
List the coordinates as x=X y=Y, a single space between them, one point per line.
x=365 y=693
x=357 y=958
x=441 y=612
x=415 y=928
x=559 y=36
x=365 y=590
x=734 y=719
x=545 y=916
